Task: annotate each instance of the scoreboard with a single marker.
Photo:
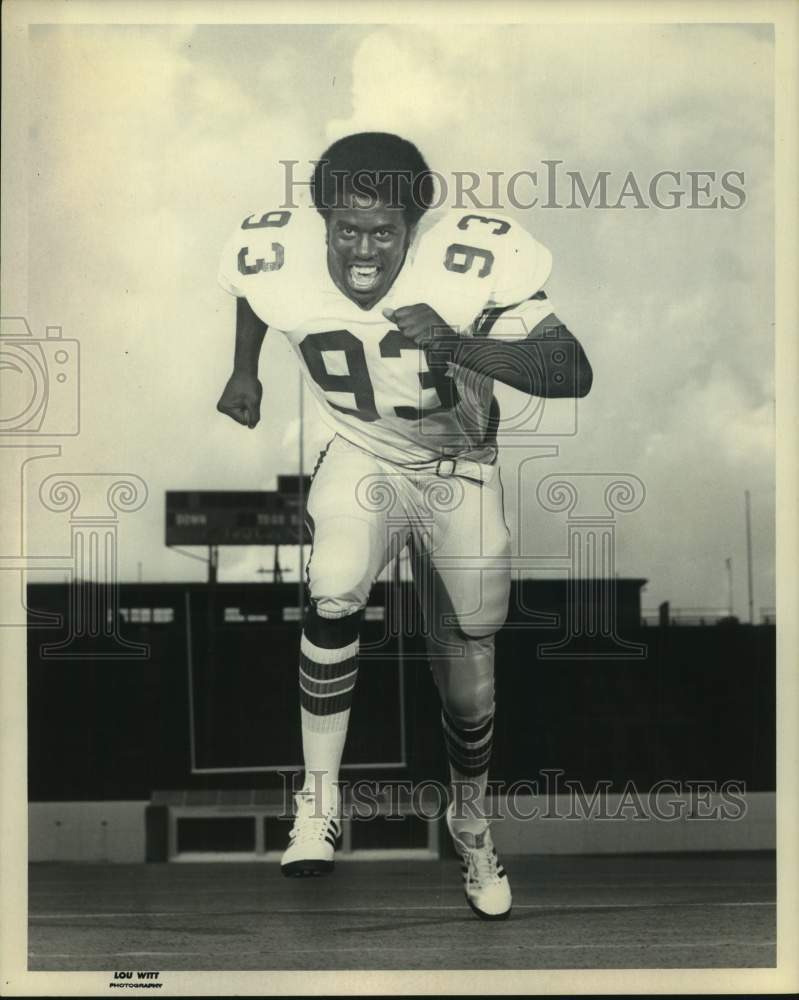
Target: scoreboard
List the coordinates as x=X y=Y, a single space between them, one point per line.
x=235 y=517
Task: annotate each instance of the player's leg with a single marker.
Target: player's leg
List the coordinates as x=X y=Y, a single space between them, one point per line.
x=461 y=567
x=466 y=686
x=464 y=676
x=351 y=545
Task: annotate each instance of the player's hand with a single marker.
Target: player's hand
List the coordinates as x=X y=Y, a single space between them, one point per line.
x=420 y=323
x=241 y=399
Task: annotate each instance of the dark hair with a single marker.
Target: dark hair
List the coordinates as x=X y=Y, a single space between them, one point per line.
x=373 y=165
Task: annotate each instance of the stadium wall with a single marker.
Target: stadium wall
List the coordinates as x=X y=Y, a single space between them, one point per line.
x=186 y=686
x=117 y=832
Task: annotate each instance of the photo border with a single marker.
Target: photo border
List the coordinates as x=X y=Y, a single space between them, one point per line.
x=16 y=979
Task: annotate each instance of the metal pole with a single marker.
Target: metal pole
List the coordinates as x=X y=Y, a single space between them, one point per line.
x=399 y=625
x=729 y=586
x=301 y=512
x=749 y=557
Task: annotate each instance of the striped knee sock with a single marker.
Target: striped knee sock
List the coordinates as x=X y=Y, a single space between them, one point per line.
x=328 y=671
x=469 y=752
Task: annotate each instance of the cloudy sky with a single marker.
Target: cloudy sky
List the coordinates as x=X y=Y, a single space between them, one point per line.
x=149 y=144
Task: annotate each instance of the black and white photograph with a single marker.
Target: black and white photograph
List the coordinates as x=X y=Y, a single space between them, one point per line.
x=397 y=421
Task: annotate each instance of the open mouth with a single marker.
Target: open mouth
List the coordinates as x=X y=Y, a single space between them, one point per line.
x=363 y=277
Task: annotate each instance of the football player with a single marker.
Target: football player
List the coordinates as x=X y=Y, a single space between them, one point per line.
x=401 y=318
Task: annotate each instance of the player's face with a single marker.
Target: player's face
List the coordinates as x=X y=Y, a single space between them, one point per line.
x=366 y=246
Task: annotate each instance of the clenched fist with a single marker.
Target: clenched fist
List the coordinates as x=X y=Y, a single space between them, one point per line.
x=420 y=323
x=241 y=399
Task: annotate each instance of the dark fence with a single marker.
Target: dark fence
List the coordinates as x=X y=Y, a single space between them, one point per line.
x=189 y=686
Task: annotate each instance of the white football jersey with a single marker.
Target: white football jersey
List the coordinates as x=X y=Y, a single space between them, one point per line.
x=372 y=384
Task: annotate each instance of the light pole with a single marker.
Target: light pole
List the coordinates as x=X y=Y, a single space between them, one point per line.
x=748 y=500
x=301 y=491
x=729 y=586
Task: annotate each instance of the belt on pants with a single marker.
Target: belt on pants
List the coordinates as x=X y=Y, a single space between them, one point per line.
x=466 y=468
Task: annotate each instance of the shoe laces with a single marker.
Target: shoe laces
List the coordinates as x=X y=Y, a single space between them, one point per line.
x=480 y=861
x=309 y=825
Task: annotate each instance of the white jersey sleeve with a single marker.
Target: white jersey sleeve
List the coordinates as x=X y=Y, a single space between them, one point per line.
x=256 y=247
x=522 y=265
x=518 y=303
x=274 y=259
x=472 y=264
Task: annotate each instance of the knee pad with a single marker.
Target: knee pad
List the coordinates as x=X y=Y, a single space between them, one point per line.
x=338 y=587
x=470 y=705
x=466 y=682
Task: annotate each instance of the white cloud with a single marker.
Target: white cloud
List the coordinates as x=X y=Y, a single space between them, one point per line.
x=148 y=144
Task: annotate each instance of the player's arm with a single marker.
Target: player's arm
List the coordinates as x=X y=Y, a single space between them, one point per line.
x=549 y=361
x=241 y=397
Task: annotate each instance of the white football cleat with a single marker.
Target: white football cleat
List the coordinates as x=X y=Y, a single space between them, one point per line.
x=313 y=839
x=484 y=879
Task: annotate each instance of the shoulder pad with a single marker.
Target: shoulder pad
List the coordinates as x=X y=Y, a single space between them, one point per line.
x=256 y=246
x=499 y=252
x=277 y=261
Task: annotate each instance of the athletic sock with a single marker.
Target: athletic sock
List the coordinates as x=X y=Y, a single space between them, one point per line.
x=469 y=751
x=328 y=671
